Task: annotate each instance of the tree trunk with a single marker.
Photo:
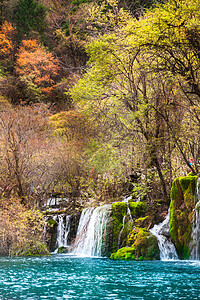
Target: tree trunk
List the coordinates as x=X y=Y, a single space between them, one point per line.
x=162 y=181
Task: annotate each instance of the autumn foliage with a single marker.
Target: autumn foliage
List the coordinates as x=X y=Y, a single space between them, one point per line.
x=71 y=126
x=21 y=230
x=6 y=39
x=37 y=66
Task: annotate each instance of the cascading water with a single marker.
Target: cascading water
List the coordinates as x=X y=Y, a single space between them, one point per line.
x=126 y=200
x=91 y=233
x=120 y=233
x=167 y=248
x=62 y=231
x=195 y=243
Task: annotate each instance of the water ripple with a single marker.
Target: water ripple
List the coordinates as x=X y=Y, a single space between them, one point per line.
x=64 y=277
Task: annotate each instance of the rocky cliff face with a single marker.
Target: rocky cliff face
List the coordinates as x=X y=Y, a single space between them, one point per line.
x=130 y=237
x=183 y=202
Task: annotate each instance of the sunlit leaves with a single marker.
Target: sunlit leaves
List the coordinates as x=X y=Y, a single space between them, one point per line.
x=137 y=68
x=35 y=65
x=72 y=127
x=21 y=230
x=169 y=35
x=6 y=39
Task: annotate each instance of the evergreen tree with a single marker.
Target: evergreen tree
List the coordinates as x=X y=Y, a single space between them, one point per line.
x=30 y=17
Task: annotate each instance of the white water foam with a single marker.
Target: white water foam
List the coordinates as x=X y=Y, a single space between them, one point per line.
x=167 y=248
x=91 y=231
x=63 y=230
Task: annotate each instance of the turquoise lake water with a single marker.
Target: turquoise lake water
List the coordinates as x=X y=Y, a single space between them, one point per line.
x=65 y=277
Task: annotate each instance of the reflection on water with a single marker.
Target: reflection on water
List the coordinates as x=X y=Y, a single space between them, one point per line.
x=67 y=277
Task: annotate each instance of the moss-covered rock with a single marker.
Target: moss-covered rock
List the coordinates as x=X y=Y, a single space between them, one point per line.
x=118 y=212
x=138 y=209
x=181 y=213
x=51 y=234
x=51 y=222
x=62 y=249
x=123 y=225
x=142 y=222
x=144 y=247
x=145 y=244
x=124 y=232
x=125 y=253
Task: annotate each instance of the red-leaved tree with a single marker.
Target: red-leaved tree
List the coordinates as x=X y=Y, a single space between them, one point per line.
x=37 y=69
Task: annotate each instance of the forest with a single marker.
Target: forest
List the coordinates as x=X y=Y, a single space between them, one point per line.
x=98 y=100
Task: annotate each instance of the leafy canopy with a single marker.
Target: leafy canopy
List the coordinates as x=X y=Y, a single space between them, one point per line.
x=36 y=66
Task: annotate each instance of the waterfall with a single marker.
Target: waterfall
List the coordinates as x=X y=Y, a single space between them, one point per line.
x=195 y=244
x=167 y=248
x=120 y=233
x=126 y=200
x=91 y=233
x=62 y=230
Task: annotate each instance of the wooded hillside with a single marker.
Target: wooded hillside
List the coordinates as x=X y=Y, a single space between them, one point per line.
x=98 y=99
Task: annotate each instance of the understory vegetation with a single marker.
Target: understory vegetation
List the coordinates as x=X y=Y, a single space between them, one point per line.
x=98 y=100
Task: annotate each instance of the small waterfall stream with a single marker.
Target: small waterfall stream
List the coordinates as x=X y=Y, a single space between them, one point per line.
x=126 y=200
x=62 y=231
x=167 y=248
x=120 y=233
x=92 y=236
x=91 y=233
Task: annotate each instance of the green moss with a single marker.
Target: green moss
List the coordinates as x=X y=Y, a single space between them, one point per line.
x=126 y=236
x=52 y=222
x=124 y=233
x=186 y=252
x=138 y=209
x=62 y=249
x=191 y=174
x=32 y=248
x=118 y=211
x=185 y=182
x=173 y=228
x=181 y=211
x=176 y=192
x=144 y=243
x=144 y=247
x=125 y=253
x=142 y=222
x=189 y=197
x=141 y=258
